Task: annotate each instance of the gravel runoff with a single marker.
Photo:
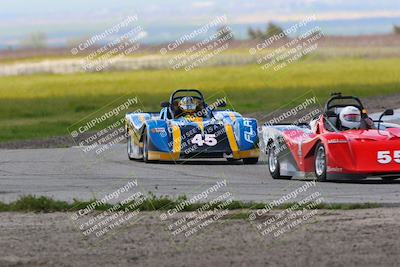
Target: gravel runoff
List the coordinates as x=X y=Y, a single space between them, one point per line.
x=331 y=238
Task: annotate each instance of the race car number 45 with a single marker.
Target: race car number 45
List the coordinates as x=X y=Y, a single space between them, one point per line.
x=209 y=140
x=385 y=157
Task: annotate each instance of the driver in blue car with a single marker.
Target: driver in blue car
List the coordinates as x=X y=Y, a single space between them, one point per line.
x=188 y=107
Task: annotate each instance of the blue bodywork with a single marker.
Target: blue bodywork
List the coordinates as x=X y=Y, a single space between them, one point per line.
x=215 y=134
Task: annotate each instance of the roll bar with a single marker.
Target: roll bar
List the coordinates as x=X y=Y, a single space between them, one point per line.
x=339 y=96
x=186 y=90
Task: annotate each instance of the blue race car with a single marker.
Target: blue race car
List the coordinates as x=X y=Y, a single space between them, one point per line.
x=186 y=127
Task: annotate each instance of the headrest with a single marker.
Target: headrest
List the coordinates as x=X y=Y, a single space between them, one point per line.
x=330 y=113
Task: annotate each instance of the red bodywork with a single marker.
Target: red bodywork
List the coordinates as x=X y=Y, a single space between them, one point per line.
x=354 y=152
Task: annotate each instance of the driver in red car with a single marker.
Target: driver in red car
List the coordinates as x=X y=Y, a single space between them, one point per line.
x=350 y=117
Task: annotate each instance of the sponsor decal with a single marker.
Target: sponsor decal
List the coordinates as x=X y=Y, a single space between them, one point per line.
x=334 y=169
x=248 y=131
x=158 y=130
x=337 y=141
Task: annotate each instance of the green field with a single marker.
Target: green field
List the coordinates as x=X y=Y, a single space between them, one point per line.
x=46 y=105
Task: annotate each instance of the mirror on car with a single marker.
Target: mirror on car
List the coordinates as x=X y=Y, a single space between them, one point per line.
x=221 y=104
x=388 y=112
x=164 y=104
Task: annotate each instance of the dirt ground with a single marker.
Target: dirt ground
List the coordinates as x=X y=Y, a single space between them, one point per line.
x=330 y=238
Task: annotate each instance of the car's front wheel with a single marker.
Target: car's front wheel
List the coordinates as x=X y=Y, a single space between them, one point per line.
x=274 y=165
x=129 y=147
x=145 y=147
x=320 y=162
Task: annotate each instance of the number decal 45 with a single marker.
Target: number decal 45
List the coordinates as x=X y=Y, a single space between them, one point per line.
x=209 y=140
x=385 y=157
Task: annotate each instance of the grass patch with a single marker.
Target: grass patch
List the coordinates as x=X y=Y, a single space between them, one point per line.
x=238 y=216
x=45 y=105
x=350 y=206
x=45 y=204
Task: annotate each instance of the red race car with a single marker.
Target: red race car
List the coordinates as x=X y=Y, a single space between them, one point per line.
x=342 y=143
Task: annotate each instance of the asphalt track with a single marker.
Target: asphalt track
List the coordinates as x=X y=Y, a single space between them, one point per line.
x=68 y=173
x=71 y=173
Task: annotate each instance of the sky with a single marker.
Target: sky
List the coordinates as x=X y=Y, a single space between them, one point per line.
x=68 y=19
x=40 y=11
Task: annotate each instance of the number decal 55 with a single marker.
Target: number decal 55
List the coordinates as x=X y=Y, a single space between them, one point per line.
x=385 y=157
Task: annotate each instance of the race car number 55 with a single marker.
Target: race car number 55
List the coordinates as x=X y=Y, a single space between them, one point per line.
x=385 y=157
x=209 y=140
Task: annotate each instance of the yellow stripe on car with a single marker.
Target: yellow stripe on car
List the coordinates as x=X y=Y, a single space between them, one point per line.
x=176 y=137
x=176 y=147
x=199 y=122
x=232 y=141
x=155 y=155
x=252 y=153
x=232 y=116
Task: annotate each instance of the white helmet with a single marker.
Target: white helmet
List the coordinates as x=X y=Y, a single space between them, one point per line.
x=187 y=105
x=350 y=117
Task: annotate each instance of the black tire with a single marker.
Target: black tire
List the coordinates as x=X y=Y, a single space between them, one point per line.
x=320 y=163
x=274 y=165
x=145 y=147
x=248 y=161
x=129 y=146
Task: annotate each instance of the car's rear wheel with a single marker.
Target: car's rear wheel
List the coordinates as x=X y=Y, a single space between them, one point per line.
x=250 y=161
x=320 y=162
x=274 y=165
